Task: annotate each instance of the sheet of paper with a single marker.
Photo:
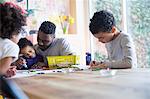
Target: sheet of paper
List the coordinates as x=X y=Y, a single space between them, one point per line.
x=23 y=73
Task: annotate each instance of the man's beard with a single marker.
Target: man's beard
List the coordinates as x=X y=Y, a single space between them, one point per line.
x=43 y=48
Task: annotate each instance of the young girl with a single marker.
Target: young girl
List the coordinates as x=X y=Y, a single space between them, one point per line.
x=119 y=45
x=12 y=18
x=27 y=52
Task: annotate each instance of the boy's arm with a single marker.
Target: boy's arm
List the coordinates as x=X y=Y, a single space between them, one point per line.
x=129 y=59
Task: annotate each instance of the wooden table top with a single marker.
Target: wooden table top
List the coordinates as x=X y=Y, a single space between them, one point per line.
x=126 y=84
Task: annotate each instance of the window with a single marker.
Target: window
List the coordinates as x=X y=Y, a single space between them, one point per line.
x=138 y=24
x=52 y=10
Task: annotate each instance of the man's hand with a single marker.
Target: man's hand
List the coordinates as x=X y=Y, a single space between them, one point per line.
x=39 y=65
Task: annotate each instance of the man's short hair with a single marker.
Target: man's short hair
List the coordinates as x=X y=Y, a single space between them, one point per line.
x=47 y=27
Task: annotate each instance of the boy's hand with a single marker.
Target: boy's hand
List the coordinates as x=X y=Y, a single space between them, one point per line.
x=94 y=63
x=97 y=65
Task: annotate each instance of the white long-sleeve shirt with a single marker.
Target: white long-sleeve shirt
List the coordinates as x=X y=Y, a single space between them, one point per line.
x=121 y=52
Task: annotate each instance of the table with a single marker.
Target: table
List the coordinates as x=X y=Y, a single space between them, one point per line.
x=126 y=84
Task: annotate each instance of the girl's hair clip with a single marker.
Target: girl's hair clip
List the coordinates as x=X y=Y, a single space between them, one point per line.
x=12 y=5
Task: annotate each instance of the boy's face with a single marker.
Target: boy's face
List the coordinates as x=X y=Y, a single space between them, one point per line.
x=104 y=37
x=44 y=40
x=28 y=52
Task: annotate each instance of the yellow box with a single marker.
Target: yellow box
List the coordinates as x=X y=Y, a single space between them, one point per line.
x=67 y=60
x=1 y=97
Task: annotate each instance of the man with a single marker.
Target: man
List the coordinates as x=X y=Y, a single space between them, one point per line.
x=48 y=45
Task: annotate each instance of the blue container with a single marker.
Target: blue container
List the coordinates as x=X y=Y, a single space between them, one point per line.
x=88 y=58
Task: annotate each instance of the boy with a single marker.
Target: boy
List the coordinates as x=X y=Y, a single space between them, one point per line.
x=121 y=52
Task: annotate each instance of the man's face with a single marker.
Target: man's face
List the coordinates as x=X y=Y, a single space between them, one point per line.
x=44 y=40
x=104 y=37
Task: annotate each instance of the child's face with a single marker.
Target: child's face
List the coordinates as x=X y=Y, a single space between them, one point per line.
x=28 y=52
x=15 y=38
x=104 y=37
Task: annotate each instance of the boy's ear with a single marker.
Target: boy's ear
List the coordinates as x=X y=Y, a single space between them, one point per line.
x=54 y=36
x=113 y=29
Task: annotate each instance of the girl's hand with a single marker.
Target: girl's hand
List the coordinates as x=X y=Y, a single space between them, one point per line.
x=20 y=63
x=11 y=71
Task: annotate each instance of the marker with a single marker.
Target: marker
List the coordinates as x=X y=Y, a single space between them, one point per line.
x=59 y=71
x=25 y=65
x=41 y=73
x=32 y=70
x=96 y=69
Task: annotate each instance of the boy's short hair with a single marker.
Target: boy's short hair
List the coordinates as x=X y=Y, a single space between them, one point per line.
x=102 y=21
x=47 y=27
x=12 y=18
x=23 y=42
